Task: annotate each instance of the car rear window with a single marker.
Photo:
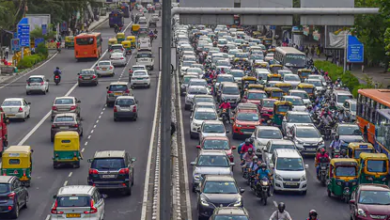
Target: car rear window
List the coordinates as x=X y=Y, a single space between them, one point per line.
x=116 y=47
x=104 y=63
x=118 y=88
x=73 y=201
x=108 y=163
x=64 y=119
x=64 y=101
x=87 y=72
x=116 y=55
x=12 y=103
x=124 y=102
x=35 y=80
x=4 y=188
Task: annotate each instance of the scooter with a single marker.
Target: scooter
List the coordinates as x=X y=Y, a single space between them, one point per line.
x=57 y=79
x=262 y=189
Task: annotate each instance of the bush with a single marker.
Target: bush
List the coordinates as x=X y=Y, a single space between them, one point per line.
x=30 y=61
x=42 y=49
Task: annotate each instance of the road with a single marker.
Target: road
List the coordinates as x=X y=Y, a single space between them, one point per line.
x=100 y=131
x=297 y=205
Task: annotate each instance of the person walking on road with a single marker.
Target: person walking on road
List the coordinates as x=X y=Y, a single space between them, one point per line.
x=307 y=51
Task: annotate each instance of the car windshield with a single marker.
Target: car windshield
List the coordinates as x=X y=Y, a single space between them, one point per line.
x=135 y=68
x=375 y=166
x=124 y=102
x=205 y=116
x=308 y=133
x=248 y=117
x=315 y=82
x=87 y=72
x=342 y=98
x=187 y=79
x=289 y=164
x=139 y=73
x=63 y=101
x=257 y=57
x=291 y=78
x=35 y=80
x=216 y=145
x=64 y=119
x=345 y=171
x=294 y=118
x=241 y=55
x=372 y=197
x=349 y=130
x=187 y=64
x=4 y=188
x=205 y=106
x=275 y=146
x=303 y=95
x=198 y=90
x=198 y=83
x=220 y=187
x=269 y=134
x=194 y=70
x=225 y=79
x=230 y=90
x=222 y=63
x=233 y=52
x=108 y=163
x=11 y=103
x=364 y=150
x=236 y=73
x=257 y=96
x=222 y=41
x=231 y=217
x=118 y=88
x=269 y=103
x=144 y=55
x=212 y=161
x=214 y=128
x=263 y=76
x=203 y=99
x=73 y=201
x=104 y=63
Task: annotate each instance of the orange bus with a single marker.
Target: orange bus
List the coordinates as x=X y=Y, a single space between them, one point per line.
x=368 y=101
x=88 y=45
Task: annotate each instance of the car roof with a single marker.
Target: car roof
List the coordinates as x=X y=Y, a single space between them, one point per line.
x=65 y=97
x=75 y=189
x=313 y=80
x=6 y=179
x=139 y=65
x=197 y=86
x=109 y=153
x=229 y=84
x=351 y=100
x=305 y=126
x=297 y=113
x=212 y=152
x=282 y=142
x=116 y=45
x=219 y=177
x=342 y=92
x=204 y=110
x=256 y=91
x=125 y=97
x=262 y=127
x=347 y=125
x=197 y=80
x=378 y=187
x=288 y=153
x=216 y=138
x=14 y=99
x=297 y=91
x=289 y=74
x=292 y=97
x=203 y=96
x=37 y=76
x=213 y=122
x=231 y=211
x=118 y=83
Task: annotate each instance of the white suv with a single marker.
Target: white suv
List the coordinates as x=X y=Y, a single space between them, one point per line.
x=198 y=117
x=37 y=84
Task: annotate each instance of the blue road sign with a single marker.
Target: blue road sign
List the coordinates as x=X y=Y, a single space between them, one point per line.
x=44 y=29
x=272 y=27
x=24 y=32
x=15 y=44
x=64 y=26
x=355 y=50
x=38 y=41
x=15 y=34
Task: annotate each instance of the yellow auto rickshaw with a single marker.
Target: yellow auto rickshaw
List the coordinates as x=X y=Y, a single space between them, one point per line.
x=127 y=45
x=304 y=74
x=280 y=110
x=120 y=37
x=17 y=161
x=242 y=61
x=112 y=41
x=255 y=87
x=135 y=29
x=284 y=86
x=356 y=148
x=309 y=88
x=132 y=41
x=67 y=149
x=342 y=178
x=274 y=77
x=260 y=65
x=256 y=34
x=69 y=41
x=246 y=81
x=267 y=42
x=274 y=92
x=274 y=68
x=374 y=168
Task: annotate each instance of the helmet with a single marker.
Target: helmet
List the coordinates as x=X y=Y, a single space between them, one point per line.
x=313 y=213
x=263 y=166
x=337 y=137
x=57 y=68
x=322 y=150
x=255 y=157
x=247 y=141
x=252 y=139
x=250 y=150
x=281 y=207
x=343 y=152
x=309 y=107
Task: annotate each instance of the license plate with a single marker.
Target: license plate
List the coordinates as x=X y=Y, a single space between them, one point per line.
x=10 y=114
x=310 y=149
x=87 y=77
x=63 y=127
x=108 y=176
x=104 y=68
x=118 y=93
x=73 y=215
x=291 y=183
x=139 y=79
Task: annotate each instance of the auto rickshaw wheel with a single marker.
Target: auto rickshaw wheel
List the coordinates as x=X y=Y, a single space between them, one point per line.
x=77 y=164
x=55 y=165
x=27 y=183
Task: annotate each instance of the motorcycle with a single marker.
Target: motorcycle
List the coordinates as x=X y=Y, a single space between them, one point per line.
x=251 y=178
x=321 y=176
x=225 y=116
x=336 y=152
x=57 y=79
x=245 y=172
x=262 y=189
x=327 y=131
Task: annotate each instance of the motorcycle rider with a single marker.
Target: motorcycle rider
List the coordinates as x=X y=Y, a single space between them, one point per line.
x=325 y=120
x=341 y=116
x=343 y=154
x=321 y=154
x=312 y=215
x=333 y=106
x=281 y=213
x=253 y=166
x=263 y=173
x=248 y=157
x=248 y=142
x=317 y=105
x=244 y=149
x=57 y=72
x=336 y=143
x=225 y=105
x=116 y=28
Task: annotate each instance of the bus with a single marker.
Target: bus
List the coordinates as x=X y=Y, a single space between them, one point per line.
x=88 y=45
x=290 y=58
x=368 y=102
x=116 y=18
x=382 y=131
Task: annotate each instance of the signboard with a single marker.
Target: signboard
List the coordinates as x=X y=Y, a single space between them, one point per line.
x=44 y=29
x=24 y=32
x=296 y=29
x=272 y=27
x=64 y=26
x=15 y=44
x=37 y=41
x=355 y=50
x=306 y=30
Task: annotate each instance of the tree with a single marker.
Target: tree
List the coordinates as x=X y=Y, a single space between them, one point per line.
x=37 y=33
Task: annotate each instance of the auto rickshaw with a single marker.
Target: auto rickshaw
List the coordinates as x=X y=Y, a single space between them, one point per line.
x=260 y=65
x=274 y=77
x=304 y=74
x=267 y=42
x=342 y=178
x=256 y=34
x=309 y=88
x=17 y=161
x=275 y=67
x=242 y=61
x=132 y=41
x=135 y=29
x=127 y=45
x=67 y=149
x=120 y=37
x=112 y=41
x=274 y=92
x=356 y=148
x=374 y=168
x=255 y=87
x=280 y=110
x=69 y=41
x=272 y=50
x=285 y=87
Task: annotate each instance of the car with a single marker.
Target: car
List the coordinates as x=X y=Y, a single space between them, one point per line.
x=370 y=202
x=246 y=106
x=191 y=92
x=223 y=78
x=218 y=191
x=292 y=79
x=289 y=172
x=126 y=107
x=212 y=128
x=348 y=133
x=117 y=48
x=184 y=66
x=198 y=117
x=217 y=143
x=118 y=59
x=229 y=92
x=78 y=201
x=204 y=105
x=340 y=96
x=145 y=57
x=301 y=93
x=307 y=138
x=269 y=57
x=196 y=70
x=136 y=67
x=349 y=107
x=13 y=195
x=140 y=78
x=112 y=170
x=87 y=76
x=65 y=104
x=16 y=108
x=237 y=75
x=292 y=118
x=320 y=77
x=272 y=145
x=297 y=102
x=116 y=89
x=66 y=122
x=37 y=84
x=203 y=98
x=185 y=81
x=319 y=88
x=263 y=134
x=254 y=96
x=245 y=122
x=105 y=68
x=233 y=213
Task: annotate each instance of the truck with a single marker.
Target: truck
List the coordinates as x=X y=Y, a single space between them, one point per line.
x=3 y=131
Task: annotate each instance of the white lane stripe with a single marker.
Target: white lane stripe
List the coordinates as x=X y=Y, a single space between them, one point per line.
x=97 y=121
x=86 y=143
x=67 y=94
x=70 y=174
x=82 y=150
x=66 y=183
x=92 y=131
x=47 y=217
x=94 y=126
x=276 y=204
x=89 y=137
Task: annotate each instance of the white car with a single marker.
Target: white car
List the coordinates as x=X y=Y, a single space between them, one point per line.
x=198 y=117
x=307 y=138
x=118 y=59
x=303 y=94
x=237 y=74
x=263 y=134
x=16 y=108
x=293 y=79
x=212 y=129
x=292 y=118
x=145 y=57
x=37 y=84
x=191 y=92
x=140 y=78
x=105 y=68
x=298 y=104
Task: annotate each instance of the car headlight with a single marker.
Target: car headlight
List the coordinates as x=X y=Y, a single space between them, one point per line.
x=361 y=212
x=238 y=126
x=303 y=178
x=204 y=202
x=238 y=203
x=196 y=176
x=278 y=177
x=321 y=143
x=299 y=142
x=197 y=125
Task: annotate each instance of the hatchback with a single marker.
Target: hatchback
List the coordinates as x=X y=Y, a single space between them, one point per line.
x=212 y=129
x=126 y=107
x=118 y=59
x=37 y=84
x=105 y=68
x=87 y=76
x=16 y=108
x=66 y=122
x=13 y=196
x=66 y=104
x=116 y=89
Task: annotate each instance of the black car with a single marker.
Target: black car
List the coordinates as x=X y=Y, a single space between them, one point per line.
x=218 y=191
x=13 y=196
x=87 y=77
x=231 y=213
x=112 y=170
x=66 y=122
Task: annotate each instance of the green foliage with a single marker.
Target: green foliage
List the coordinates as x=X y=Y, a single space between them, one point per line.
x=8 y=11
x=37 y=33
x=30 y=61
x=42 y=49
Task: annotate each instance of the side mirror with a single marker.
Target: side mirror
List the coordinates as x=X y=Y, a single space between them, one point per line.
x=198 y=129
x=136 y=101
x=133 y=159
x=28 y=103
x=55 y=196
x=7 y=121
x=198 y=146
x=32 y=151
x=78 y=73
x=90 y=160
x=78 y=101
x=47 y=80
x=107 y=87
x=242 y=190
x=193 y=163
x=234 y=147
x=351 y=201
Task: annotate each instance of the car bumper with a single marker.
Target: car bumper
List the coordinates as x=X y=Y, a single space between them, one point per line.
x=87 y=81
x=4 y=208
x=35 y=89
x=105 y=72
x=118 y=63
x=125 y=114
x=15 y=115
x=282 y=186
x=63 y=217
x=194 y=130
x=308 y=150
x=243 y=131
x=140 y=82
x=117 y=184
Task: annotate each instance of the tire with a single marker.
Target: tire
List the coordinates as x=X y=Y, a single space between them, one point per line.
x=52 y=139
x=235 y=137
x=304 y=192
x=25 y=202
x=27 y=93
x=265 y=201
x=28 y=116
x=115 y=119
x=15 y=212
x=192 y=136
x=45 y=92
x=128 y=191
x=132 y=179
x=77 y=164
x=135 y=118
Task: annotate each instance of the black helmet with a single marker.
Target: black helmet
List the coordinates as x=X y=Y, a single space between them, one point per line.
x=281 y=207
x=247 y=141
x=313 y=213
x=57 y=68
x=263 y=165
x=250 y=150
x=337 y=137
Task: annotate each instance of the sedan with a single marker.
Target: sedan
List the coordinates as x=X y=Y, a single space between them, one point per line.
x=16 y=108
x=307 y=138
x=105 y=68
x=212 y=128
x=67 y=104
x=87 y=76
x=118 y=59
x=293 y=79
x=298 y=104
x=264 y=134
x=66 y=122
x=140 y=78
x=217 y=143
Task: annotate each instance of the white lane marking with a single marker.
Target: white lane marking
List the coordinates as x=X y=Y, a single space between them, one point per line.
x=101 y=113
x=146 y=185
x=66 y=183
x=34 y=129
x=100 y=116
x=104 y=109
x=86 y=143
x=47 y=217
x=82 y=150
x=97 y=121
x=89 y=137
x=94 y=126
x=70 y=174
x=92 y=131
x=276 y=204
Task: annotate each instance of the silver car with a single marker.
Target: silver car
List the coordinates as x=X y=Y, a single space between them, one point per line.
x=126 y=107
x=272 y=145
x=319 y=88
x=350 y=108
x=140 y=78
x=105 y=68
x=184 y=83
x=87 y=76
x=116 y=89
x=66 y=104
x=212 y=128
x=298 y=104
x=191 y=92
x=292 y=118
x=303 y=94
x=210 y=105
x=307 y=138
x=293 y=79
x=118 y=59
x=202 y=98
x=263 y=134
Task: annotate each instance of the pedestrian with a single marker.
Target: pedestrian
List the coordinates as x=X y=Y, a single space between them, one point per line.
x=33 y=50
x=6 y=52
x=307 y=51
x=362 y=68
x=312 y=51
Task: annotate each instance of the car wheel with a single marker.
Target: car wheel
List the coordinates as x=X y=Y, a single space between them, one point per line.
x=44 y=92
x=25 y=202
x=47 y=89
x=28 y=116
x=115 y=119
x=132 y=179
x=52 y=139
x=77 y=164
x=235 y=137
x=79 y=84
x=27 y=93
x=135 y=117
x=128 y=191
x=15 y=212
x=304 y=192
x=192 y=136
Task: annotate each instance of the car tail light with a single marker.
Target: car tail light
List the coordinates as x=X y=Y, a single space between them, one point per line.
x=135 y=109
x=110 y=67
x=109 y=92
x=93 y=171
x=41 y=83
x=1 y=109
x=127 y=91
x=80 y=77
x=54 y=209
x=11 y=196
x=93 y=77
x=24 y=172
x=75 y=125
x=130 y=71
x=72 y=107
x=115 y=109
x=122 y=58
x=124 y=171
x=92 y=210
x=97 y=68
x=122 y=49
x=20 y=109
x=57 y=77
x=54 y=108
x=53 y=126
x=28 y=83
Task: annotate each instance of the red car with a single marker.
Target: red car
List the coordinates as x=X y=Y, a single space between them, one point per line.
x=370 y=201
x=245 y=122
x=267 y=108
x=254 y=96
x=218 y=143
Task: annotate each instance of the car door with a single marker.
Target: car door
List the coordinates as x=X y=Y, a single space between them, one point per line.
x=130 y=165
x=26 y=107
x=45 y=83
x=77 y=103
x=80 y=125
x=18 y=189
x=99 y=203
